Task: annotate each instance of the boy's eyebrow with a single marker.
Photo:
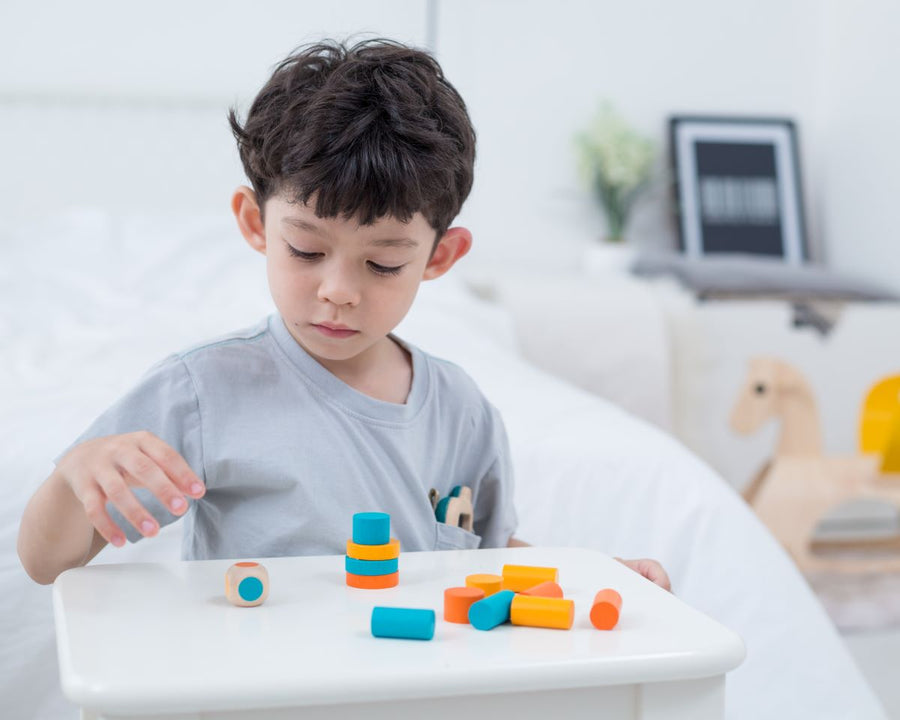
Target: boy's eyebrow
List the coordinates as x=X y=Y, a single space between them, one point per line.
x=379 y=242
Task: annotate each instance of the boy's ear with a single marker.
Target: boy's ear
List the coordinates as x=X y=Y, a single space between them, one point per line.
x=249 y=220
x=455 y=243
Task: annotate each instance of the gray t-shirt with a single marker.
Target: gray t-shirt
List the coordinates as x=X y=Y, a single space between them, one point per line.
x=289 y=452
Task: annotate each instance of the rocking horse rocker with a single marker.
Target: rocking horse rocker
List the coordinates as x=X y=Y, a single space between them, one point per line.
x=800 y=484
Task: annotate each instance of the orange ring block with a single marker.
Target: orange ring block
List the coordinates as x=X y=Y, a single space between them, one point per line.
x=458 y=600
x=388 y=551
x=545 y=589
x=546 y=612
x=605 y=610
x=522 y=577
x=487 y=582
x=373 y=582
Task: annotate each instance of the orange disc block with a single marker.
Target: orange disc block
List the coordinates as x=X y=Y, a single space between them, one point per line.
x=373 y=582
x=487 y=582
x=545 y=589
x=458 y=600
x=605 y=610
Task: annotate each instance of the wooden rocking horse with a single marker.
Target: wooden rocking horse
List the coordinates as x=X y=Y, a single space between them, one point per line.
x=800 y=484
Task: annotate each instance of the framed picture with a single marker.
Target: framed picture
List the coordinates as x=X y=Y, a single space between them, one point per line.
x=737 y=187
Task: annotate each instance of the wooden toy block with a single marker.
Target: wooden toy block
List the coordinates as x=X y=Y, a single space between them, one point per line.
x=456 y=508
x=458 y=600
x=246 y=584
x=371 y=567
x=605 y=609
x=522 y=577
x=374 y=552
x=492 y=611
x=545 y=612
x=406 y=623
x=545 y=589
x=487 y=582
x=371 y=528
x=373 y=582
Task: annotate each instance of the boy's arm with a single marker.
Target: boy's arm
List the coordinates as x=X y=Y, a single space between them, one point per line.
x=55 y=533
x=515 y=542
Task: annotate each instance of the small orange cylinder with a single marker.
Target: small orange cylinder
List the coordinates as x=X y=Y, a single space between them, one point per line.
x=487 y=582
x=458 y=600
x=522 y=577
x=605 y=609
x=547 y=612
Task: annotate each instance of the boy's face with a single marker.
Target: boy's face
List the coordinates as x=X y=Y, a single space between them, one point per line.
x=342 y=287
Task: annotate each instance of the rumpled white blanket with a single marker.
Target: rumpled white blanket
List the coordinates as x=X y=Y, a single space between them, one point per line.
x=88 y=301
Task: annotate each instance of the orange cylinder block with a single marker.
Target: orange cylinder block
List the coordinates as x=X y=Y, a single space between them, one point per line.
x=545 y=589
x=605 y=609
x=458 y=600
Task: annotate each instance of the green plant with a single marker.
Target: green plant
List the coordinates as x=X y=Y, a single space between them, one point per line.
x=615 y=162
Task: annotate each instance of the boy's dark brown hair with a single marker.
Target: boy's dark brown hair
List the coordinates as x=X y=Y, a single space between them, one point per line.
x=372 y=130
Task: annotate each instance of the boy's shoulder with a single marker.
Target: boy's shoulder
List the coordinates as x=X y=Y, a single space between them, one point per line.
x=452 y=384
x=236 y=338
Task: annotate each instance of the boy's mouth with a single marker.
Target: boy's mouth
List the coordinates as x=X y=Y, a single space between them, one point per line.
x=334 y=330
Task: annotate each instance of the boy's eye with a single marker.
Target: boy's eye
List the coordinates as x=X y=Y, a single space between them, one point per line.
x=383 y=269
x=373 y=266
x=300 y=254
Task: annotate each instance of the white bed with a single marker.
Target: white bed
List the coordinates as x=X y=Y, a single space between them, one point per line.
x=88 y=300
x=116 y=249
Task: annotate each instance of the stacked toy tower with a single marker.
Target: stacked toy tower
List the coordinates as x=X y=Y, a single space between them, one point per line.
x=373 y=556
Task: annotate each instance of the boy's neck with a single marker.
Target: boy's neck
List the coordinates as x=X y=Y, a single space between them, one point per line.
x=385 y=374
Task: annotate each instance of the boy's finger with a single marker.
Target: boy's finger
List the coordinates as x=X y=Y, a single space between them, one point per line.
x=173 y=464
x=95 y=508
x=142 y=470
x=119 y=494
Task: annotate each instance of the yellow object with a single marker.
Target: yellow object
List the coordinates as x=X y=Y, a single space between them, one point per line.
x=374 y=552
x=489 y=583
x=879 y=431
x=546 y=612
x=522 y=577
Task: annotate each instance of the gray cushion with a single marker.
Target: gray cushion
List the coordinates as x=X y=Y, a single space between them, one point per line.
x=753 y=275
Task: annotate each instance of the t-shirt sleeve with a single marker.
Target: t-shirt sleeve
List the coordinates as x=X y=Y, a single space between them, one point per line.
x=495 y=514
x=164 y=402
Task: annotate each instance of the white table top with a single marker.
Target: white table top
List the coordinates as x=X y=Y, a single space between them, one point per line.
x=162 y=638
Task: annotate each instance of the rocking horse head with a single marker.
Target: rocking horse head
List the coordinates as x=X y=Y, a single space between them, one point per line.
x=775 y=389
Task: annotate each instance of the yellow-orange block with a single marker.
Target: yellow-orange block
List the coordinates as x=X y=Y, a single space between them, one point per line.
x=487 y=582
x=522 y=577
x=389 y=551
x=546 y=589
x=546 y=612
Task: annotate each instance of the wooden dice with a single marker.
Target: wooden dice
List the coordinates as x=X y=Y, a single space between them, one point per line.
x=246 y=584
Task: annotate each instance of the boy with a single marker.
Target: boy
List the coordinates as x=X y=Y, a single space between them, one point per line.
x=359 y=159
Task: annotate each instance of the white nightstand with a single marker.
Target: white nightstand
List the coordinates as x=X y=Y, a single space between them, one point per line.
x=138 y=640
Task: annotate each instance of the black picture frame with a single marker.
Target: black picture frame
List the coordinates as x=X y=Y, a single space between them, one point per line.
x=737 y=187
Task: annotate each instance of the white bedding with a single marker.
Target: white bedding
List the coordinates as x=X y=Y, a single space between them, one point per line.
x=89 y=301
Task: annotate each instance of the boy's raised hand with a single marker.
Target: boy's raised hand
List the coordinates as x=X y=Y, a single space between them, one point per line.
x=105 y=469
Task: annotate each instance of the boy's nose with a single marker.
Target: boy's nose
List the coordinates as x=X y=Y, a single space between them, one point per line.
x=339 y=288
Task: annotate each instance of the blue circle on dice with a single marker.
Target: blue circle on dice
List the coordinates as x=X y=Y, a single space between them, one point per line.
x=250 y=589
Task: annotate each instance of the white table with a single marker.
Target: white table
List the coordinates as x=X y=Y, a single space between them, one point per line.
x=136 y=640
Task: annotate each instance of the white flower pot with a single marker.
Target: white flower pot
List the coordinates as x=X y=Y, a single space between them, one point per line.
x=605 y=258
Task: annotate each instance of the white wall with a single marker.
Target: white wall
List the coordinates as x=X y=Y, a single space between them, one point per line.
x=858 y=138
x=144 y=109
